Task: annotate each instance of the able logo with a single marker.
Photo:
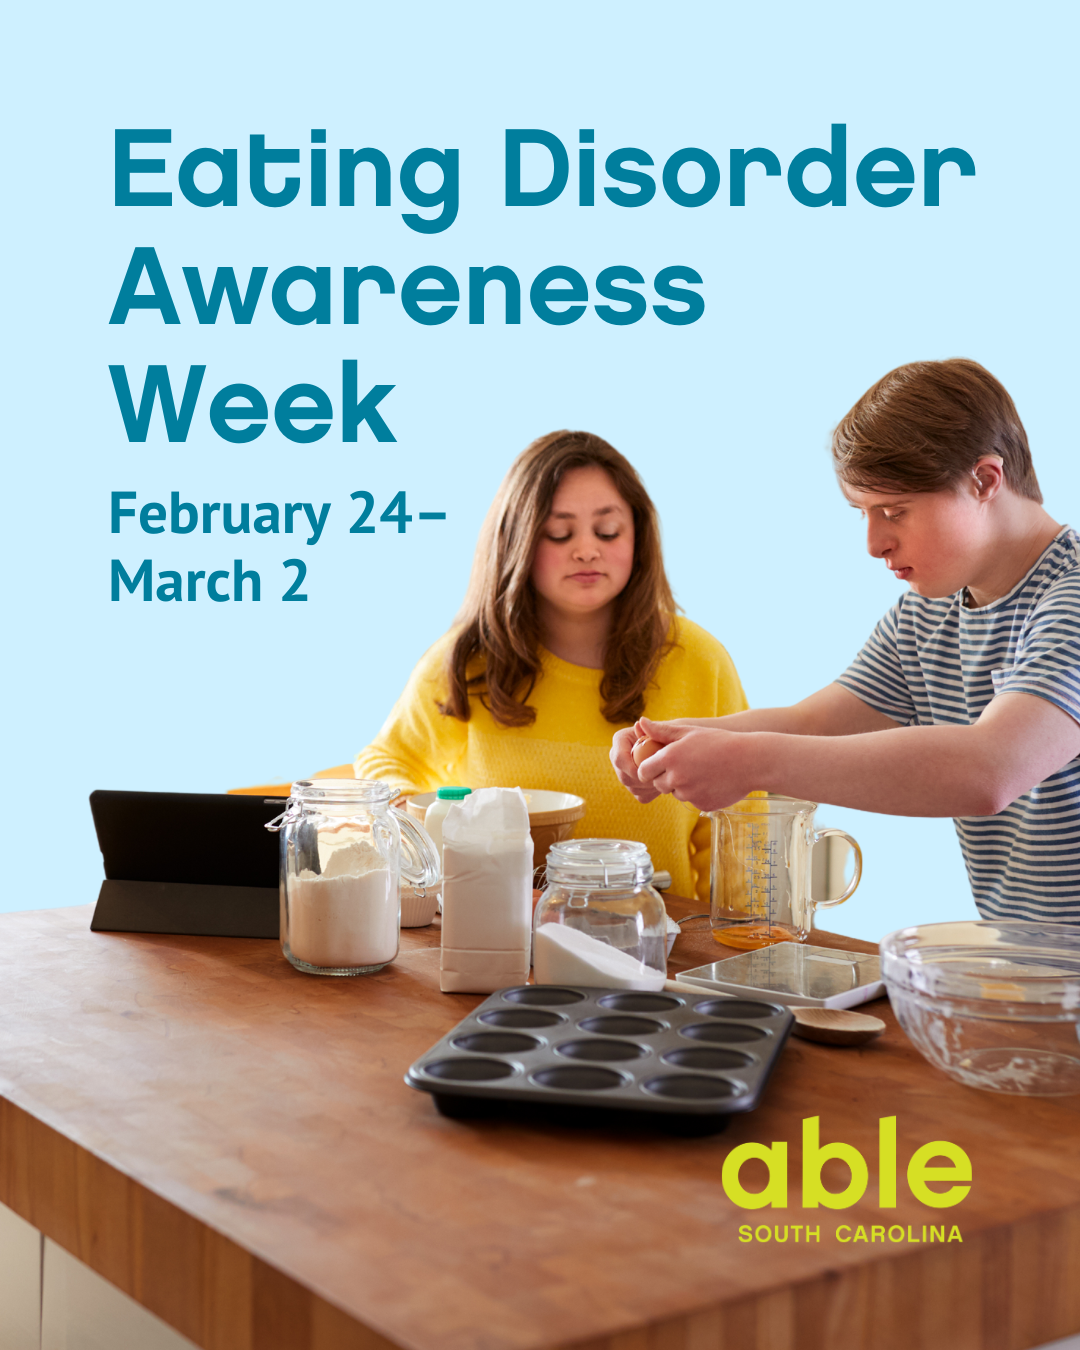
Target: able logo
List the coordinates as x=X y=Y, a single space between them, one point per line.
x=921 y=1172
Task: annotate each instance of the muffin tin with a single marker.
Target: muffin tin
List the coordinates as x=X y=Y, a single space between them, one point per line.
x=616 y=1050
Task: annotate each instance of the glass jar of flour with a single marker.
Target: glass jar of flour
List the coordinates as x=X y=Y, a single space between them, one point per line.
x=344 y=852
x=600 y=921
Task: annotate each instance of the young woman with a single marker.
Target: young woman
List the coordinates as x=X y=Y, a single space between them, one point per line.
x=568 y=631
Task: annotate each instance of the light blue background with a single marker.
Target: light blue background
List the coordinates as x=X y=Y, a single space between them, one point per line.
x=728 y=419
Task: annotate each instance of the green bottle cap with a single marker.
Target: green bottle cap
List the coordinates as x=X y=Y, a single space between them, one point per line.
x=453 y=794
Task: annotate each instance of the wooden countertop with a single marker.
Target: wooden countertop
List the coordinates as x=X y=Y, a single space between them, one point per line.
x=231 y=1143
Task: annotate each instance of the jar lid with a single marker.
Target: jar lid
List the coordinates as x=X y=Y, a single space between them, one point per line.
x=342 y=791
x=599 y=862
x=453 y=794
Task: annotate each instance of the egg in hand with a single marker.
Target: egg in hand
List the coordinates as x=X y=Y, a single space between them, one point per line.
x=645 y=747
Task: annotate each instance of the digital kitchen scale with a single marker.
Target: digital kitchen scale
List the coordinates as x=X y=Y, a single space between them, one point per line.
x=795 y=974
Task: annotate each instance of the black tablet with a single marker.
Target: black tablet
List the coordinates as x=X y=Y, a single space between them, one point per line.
x=187 y=862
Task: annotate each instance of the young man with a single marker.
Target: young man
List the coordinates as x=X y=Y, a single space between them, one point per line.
x=974 y=674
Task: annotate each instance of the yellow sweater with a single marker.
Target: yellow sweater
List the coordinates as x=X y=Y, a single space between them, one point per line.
x=566 y=748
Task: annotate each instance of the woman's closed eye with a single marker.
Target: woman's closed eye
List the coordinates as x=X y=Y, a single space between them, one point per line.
x=565 y=538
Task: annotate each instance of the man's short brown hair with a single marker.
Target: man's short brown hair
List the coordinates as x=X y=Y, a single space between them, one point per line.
x=924 y=426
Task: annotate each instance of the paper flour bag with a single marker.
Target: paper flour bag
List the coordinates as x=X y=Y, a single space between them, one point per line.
x=487 y=892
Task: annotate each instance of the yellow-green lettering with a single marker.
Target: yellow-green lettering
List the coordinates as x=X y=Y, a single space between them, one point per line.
x=920 y=1172
x=814 y=1156
x=887 y=1162
x=774 y=1194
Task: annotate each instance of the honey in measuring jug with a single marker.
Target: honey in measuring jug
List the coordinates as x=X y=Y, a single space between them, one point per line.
x=752 y=936
x=760 y=891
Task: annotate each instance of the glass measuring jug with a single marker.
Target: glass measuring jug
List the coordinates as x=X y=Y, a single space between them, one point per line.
x=344 y=852
x=760 y=871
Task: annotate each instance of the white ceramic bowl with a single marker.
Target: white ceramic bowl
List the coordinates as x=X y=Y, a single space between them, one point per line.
x=417 y=911
x=673 y=931
x=541 y=803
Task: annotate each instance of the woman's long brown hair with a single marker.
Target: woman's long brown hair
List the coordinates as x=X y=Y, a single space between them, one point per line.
x=499 y=633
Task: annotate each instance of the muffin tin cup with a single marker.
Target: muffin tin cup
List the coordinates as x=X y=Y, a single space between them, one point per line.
x=605 y=1051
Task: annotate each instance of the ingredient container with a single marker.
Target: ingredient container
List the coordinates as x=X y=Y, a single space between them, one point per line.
x=760 y=878
x=600 y=921
x=344 y=852
x=487 y=892
x=436 y=813
x=994 y=1004
x=552 y=817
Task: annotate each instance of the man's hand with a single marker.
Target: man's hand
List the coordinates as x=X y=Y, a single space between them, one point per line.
x=700 y=765
x=687 y=772
x=976 y=770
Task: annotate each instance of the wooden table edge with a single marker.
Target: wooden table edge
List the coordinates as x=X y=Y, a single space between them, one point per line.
x=223 y=1296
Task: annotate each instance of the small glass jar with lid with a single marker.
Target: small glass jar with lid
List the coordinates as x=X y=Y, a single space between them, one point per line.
x=603 y=889
x=344 y=853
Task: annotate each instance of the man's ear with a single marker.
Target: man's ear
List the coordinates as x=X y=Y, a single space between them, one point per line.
x=988 y=476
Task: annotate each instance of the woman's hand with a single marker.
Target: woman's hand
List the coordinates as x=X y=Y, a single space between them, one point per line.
x=700 y=765
x=626 y=771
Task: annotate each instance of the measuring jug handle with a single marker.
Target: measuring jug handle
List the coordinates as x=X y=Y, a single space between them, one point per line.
x=819 y=835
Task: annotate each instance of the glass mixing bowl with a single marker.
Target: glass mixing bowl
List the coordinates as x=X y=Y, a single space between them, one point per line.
x=995 y=1004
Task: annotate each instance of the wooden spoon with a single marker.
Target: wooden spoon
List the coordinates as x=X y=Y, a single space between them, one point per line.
x=682 y=987
x=836 y=1026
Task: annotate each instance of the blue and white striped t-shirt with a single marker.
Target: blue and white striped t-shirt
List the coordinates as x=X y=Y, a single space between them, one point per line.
x=936 y=663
